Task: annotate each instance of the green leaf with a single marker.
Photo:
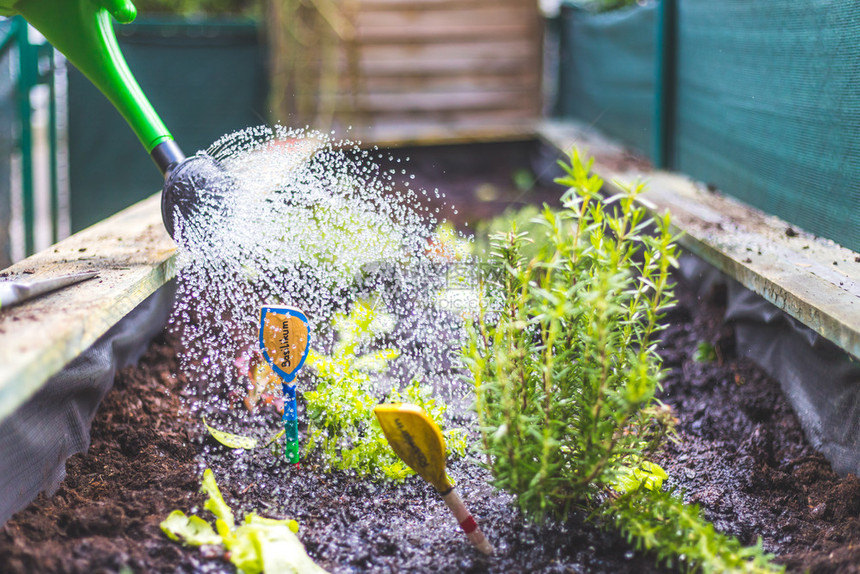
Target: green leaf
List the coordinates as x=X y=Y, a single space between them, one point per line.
x=191 y=530
x=271 y=546
x=253 y=518
x=245 y=550
x=215 y=504
x=231 y=440
x=259 y=545
x=705 y=353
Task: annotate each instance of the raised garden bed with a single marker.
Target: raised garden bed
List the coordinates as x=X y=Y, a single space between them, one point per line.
x=741 y=455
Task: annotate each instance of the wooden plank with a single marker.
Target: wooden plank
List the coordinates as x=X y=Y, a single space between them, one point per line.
x=493 y=49
x=134 y=257
x=405 y=132
x=812 y=279
x=440 y=121
x=411 y=20
x=437 y=101
x=444 y=32
x=463 y=82
x=479 y=58
x=464 y=65
x=407 y=5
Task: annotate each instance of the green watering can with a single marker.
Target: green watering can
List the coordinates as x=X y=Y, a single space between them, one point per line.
x=82 y=30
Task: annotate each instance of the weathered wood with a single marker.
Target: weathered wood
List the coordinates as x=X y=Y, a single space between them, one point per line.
x=494 y=50
x=406 y=20
x=431 y=84
x=432 y=131
x=435 y=71
x=512 y=68
x=460 y=31
x=134 y=257
x=812 y=279
x=407 y=5
x=426 y=62
x=450 y=101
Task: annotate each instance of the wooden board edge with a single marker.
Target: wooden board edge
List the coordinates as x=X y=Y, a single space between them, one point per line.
x=22 y=382
x=831 y=311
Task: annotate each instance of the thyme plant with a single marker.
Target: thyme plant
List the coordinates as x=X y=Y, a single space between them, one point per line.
x=564 y=362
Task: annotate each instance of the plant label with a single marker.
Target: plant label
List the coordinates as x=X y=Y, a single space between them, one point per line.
x=284 y=339
x=416 y=439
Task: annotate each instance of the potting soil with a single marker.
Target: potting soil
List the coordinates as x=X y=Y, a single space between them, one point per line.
x=741 y=455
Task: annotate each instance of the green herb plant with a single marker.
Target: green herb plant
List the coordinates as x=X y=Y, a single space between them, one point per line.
x=705 y=353
x=341 y=425
x=564 y=362
x=257 y=545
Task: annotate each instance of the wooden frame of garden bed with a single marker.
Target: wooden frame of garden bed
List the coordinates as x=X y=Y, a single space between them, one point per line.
x=133 y=255
x=811 y=279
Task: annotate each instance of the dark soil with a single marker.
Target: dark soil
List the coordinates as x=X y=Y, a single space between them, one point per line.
x=741 y=455
x=140 y=466
x=479 y=181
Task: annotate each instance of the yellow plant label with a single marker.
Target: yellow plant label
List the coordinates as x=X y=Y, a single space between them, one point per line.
x=417 y=440
x=284 y=339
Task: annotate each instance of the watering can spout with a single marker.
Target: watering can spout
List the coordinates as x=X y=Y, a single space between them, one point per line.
x=83 y=31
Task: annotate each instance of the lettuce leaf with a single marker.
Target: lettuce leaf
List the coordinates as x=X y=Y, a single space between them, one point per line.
x=260 y=545
x=190 y=530
x=215 y=504
x=648 y=475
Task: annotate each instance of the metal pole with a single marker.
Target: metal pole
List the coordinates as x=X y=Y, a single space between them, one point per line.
x=52 y=143
x=27 y=77
x=665 y=80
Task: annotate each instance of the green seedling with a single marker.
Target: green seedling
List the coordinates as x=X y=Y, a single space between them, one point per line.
x=705 y=353
x=257 y=545
x=342 y=428
x=418 y=442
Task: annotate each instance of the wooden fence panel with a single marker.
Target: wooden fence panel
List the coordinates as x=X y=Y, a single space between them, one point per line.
x=425 y=70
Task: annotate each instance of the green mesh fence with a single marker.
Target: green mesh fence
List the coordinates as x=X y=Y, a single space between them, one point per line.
x=768 y=107
x=606 y=75
x=764 y=98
